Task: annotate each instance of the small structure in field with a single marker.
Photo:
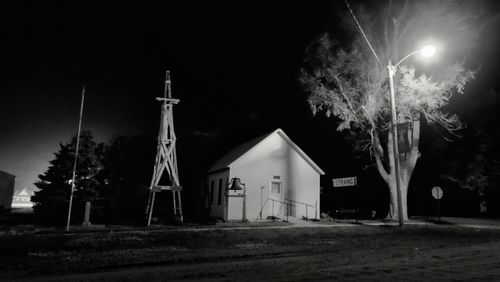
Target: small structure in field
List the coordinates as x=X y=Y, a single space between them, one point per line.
x=7 y=182
x=279 y=178
x=22 y=199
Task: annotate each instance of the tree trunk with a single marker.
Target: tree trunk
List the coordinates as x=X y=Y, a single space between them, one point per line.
x=407 y=164
x=393 y=200
x=393 y=211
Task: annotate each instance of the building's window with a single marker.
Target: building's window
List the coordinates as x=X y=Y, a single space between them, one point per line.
x=276 y=187
x=219 y=198
x=211 y=201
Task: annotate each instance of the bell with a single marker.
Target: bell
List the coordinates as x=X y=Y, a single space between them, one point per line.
x=236 y=184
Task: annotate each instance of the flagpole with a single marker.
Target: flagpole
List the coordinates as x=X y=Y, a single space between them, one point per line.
x=76 y=159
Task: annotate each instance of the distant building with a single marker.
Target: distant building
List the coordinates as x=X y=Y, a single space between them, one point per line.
x=22 y=200
x=280 y=180
x=7 y=182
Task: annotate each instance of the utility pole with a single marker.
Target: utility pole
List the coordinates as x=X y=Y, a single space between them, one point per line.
x=76 y=160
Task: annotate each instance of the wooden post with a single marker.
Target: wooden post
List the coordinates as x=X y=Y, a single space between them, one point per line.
x=151 y=207
x=439 y=210
x=272 y=212
x=226 y=207
x=261 y=190
x=86 y=217
x=180 y=207
x=316 y=209
x=244 y=212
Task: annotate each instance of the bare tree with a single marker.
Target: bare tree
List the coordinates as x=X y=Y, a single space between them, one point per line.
x=350 y=81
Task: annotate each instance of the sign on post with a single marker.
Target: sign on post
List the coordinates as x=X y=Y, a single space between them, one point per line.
x=437 y=193
x=346 y=181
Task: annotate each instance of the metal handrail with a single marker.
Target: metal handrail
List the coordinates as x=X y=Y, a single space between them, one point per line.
x=299 y=202
x=262 y=208
x=307 y=205
x=287 y=207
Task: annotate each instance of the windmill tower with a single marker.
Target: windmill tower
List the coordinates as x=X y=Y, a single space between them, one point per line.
x=165 y=167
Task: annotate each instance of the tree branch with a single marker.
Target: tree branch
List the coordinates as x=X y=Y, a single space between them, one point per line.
x=390 y=152
x=379 y=153
x=345 y=97
x=415 y=136
x=377 y=146
x=403 y=14
x=411 y=161
x=386 y=35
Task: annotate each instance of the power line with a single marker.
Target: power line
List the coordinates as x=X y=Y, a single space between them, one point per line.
x=363 y=33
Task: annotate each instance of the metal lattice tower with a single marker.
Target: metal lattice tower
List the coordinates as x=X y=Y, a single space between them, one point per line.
x=166 y=157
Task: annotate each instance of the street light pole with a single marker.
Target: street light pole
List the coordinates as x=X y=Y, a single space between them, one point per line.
x=426 y=51
x=394 y=129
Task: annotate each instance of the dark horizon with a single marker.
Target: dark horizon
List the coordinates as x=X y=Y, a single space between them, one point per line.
x=224 y=59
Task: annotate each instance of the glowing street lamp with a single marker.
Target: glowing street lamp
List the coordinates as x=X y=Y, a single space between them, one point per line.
x=426 y=51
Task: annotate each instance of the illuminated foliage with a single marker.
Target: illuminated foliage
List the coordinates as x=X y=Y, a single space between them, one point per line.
x=347 y=81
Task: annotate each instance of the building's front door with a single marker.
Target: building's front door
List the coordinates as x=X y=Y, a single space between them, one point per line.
x=276 y=198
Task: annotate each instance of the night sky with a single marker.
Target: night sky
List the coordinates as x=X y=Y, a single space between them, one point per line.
x=234 y=67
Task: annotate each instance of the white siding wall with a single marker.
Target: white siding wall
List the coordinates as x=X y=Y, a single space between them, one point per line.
x=304 y=187
x=274 y=157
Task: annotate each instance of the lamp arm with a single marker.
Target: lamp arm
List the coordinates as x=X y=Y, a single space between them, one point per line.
x=406 y=57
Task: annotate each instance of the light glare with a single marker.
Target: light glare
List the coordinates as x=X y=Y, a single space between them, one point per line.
x=428 y=51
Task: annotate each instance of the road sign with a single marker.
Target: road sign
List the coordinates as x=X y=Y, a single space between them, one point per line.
x=437 y=192
x=346 y=181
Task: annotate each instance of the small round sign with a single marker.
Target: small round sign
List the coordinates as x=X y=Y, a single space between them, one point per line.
x=437 y=192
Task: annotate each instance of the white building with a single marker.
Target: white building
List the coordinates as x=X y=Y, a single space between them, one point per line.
x=22 y=200
x=280 y=181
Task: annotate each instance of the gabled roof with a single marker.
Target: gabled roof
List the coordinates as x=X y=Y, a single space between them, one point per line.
x=23 y=193
x=243 y=149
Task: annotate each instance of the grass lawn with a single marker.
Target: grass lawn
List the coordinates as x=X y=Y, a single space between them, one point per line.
x=414 y=253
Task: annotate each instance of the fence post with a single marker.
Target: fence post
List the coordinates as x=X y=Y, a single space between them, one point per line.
x=316 y=210
x=272 y=212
